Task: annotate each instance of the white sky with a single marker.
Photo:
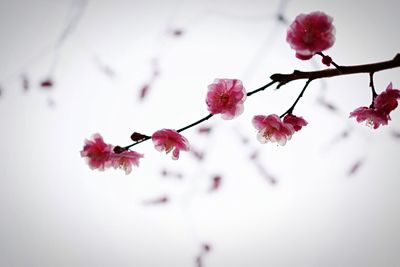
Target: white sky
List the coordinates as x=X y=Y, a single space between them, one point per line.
x=55 y=211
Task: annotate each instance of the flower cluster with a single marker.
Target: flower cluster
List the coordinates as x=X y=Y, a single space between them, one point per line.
x=379 y=111
x=310 y=34
x=272 y=129
x=100 y=155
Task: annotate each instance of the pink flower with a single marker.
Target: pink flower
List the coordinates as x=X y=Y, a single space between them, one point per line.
x=100 y=155
x=226 y=96
x=271 y=128
x=372 y=116
x=311 y=33
x=387 y=100
x=296 y=122
x=125 y=160
x=378 y=113
x=97 y=153
x=167 y=139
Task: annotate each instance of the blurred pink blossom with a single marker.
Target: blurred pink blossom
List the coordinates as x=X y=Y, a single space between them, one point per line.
x=125 y=160
x=100 y=155
x=168 y=140
x=311 y=33
x=226 y=97
x=97 y=153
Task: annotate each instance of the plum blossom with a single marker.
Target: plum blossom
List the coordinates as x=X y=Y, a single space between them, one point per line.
x=371 y=116
x=387 y=100
x=100 y=155
x=125 y=160
x=97 y=153
x=311 y=33
x=226 y=97
x=170 y=140
x=272 y=129
x=296 y=122
x=378 y=113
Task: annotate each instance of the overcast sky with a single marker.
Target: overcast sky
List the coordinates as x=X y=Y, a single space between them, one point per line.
x=98 y=55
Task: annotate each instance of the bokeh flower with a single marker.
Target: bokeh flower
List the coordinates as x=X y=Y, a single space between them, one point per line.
x=125 y=160
x=97 y=153
x=100 y=155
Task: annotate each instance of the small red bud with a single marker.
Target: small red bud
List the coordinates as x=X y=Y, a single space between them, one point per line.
x=137 y=136
x=327 y=60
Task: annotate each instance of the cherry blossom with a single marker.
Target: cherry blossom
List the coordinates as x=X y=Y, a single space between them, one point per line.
x=125 y=160
x=310 y=34
x=97 y=153
x=226 y=97
x=296 y=122
x=272 y=129
x=168 y=140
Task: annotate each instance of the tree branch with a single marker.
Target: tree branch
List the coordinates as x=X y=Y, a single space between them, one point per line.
x=283 y=79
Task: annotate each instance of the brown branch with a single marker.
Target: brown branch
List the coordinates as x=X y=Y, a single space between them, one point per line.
x=282 y=79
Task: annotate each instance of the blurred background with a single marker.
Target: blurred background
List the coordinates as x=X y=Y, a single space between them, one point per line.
x=72 y=68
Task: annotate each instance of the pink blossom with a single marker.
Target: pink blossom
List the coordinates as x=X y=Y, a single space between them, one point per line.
x=125 y=160
x=168 y=140
x=100 y=155
x=378 y=113
x=296 y=122
x=271 y=128
x=387 y=100
x=311 y=33
x=97 y=153
x=372 y=116
x=226 y=96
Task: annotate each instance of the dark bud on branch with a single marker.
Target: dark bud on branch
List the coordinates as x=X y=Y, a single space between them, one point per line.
x=138 y=136
x=327 y=60
x=119 y=150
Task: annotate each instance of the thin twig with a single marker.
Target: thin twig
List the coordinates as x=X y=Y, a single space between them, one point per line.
x=290 y=110
x=371 y=84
